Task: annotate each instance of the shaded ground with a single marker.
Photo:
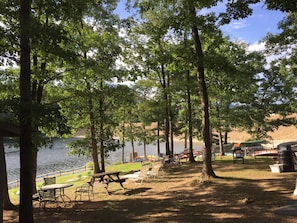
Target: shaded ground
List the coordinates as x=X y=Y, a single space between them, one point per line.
x=245 y=193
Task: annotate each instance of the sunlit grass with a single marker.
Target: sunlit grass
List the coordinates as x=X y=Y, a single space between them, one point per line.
x=79 y=178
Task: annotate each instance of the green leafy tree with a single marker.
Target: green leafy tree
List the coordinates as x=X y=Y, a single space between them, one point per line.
x=279 y=82
x=182 y=16
x=125 y=101
x=96 y=44
x=237 y=69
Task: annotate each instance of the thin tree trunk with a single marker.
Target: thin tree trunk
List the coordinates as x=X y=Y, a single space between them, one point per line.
x=171 y=134
x=189 y=103
x=220 y=132
x=101 y=131
x=158 y=141
x=132 y=141
x=170 y=116
x=102 y=155
x=190 y=126
x=226 y=137
x=93 y=137
x=123 y=138
x=36 y=92
x=186 y=139
x=2 y=176
x=207 y=170
x=166 y=112
x=5 y=203
x=34 y=168
x=26 y=208
x=144 y=142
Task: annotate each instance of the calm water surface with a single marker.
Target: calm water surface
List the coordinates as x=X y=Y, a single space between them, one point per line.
x=56 y=158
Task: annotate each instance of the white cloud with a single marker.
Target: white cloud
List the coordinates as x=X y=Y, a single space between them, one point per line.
x=238 y=25
x=258 y=46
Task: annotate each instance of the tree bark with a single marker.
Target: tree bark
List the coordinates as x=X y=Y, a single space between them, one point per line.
x=123 y=137
x=158 y=140
x=101 y=132
x=36 y=92
x=190 y=125
x=144 y=141
x=166 y=111
x=132 y=140
x=93 y=132
x=7 y=205
x=2 y=175
x=207 y=170
x=26 y=207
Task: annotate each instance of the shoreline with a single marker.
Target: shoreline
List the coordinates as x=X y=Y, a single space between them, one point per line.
x=282 y=134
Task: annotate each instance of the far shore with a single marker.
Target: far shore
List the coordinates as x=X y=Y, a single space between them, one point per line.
x=282 y=134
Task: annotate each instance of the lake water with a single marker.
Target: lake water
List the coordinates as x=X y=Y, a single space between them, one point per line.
x=56 y=158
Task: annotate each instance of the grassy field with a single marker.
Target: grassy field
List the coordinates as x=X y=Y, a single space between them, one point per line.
x=245 y=193
x=79 y=178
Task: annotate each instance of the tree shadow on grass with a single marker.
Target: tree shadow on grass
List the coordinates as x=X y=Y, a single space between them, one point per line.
x=220 y=200
x=136 y=191
x=179 y=197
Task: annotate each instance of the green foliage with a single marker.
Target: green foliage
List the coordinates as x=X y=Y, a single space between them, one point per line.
x=79 y=147
x=76 y=48
x=237 y=10
x=283 y=5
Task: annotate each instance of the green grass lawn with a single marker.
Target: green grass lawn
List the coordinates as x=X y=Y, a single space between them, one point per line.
x=253 y=167
x=80 y=178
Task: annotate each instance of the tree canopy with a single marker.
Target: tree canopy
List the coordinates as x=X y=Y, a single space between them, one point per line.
x=72 y=65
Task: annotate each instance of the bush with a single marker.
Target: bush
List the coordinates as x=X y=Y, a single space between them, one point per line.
x=90 y=165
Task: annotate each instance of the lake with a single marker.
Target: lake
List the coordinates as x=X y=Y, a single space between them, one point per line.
x=56 y=158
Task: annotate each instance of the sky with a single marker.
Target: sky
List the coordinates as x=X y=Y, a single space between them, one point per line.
x=250 y=30
x=254 y=28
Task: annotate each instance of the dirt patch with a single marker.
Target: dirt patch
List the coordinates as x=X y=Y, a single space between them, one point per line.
x=243 y=193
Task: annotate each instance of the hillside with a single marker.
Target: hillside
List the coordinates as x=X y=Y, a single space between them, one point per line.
x=282 y=134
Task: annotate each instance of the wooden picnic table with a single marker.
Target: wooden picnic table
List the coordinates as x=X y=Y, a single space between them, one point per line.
x=109 y=177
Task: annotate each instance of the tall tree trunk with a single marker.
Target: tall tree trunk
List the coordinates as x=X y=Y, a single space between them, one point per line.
x=170 y=116
x=189 y=105
x=101 y=130
x=34 y=128
x=2 y=175
x=166 y=111
x=158 y=140
x=220 y=132
x=26 y=208
x=132 y=140
x=123 y=137
x=102 y=155
x=190 y=125
x=36 y=92
x=186 y=139
x=93 y=126
x=226 y=137
x=5 y=203
x=93 y=135
x=207 y=170
x=144 y=141
x=171 y=125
